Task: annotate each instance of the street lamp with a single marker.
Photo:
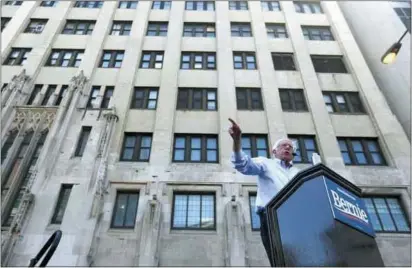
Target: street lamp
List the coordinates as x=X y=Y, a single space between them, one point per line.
x=392 y=52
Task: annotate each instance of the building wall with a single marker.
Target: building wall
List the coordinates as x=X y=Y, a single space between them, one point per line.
x=152 y=241
x=374 y=35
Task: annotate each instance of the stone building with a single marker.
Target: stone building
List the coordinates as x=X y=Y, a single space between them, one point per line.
x=114 y=126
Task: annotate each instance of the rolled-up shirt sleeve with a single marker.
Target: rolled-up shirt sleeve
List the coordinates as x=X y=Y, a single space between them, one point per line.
x=246 y=165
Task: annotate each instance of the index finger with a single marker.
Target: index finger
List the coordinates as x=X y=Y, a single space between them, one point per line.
x=232 y=121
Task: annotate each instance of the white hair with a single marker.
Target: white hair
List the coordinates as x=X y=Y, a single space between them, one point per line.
x=277 y=143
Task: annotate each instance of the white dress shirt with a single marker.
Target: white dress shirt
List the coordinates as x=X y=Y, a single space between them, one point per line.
x=273 y=174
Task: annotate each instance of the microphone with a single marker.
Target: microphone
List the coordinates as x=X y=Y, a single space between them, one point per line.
x=294 y=154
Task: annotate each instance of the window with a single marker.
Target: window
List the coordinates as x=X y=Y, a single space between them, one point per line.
x=292 y=100
x=81 y=144
x=62 y=201
x=145 y=98
x=7 y=145
x=157 y=28
x=35 y=92
x=305 y=147
x=128 y=4
x=61 y=95
x=270 y=5
x=79 y=27
x=328 y=64
x=125 y=209
x=197 y=99
x=13 y=3
x=121 y=28
x=238 y=5
x=254 y=218
x=89 y=4
x=161 y=4
x=255 y=145
x=152 y=60
x=48 y=3
x=308 y=7
x=283 y=61
x=93 y=101
x=387 y=214
x=200 y=5
x=198 y=60
x=4 y=22
x=65 y=58
x=317 y=33
x=195 y=148
x=36 y=26
x=199 y=30
x=112 y=59
x=249 y=99
x=276 y=30
x=241 y=29
x=17 y=56
x=343 y=102
x=136 y=147
x=4 y=87
x=361 y=151
x=405 y=16
x=49 y=92
x=107 y=97
x=244 y=60
x=194 y=211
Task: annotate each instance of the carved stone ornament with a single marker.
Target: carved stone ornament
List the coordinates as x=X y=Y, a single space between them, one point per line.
x=33 y=116
x=18 y=81
x=78 y=82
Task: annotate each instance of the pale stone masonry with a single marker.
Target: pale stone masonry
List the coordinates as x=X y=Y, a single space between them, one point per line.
x=98 y=175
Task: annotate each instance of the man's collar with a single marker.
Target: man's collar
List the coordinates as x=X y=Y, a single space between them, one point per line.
x=283 y=163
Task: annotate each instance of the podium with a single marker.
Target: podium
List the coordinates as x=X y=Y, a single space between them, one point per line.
x=319 y=219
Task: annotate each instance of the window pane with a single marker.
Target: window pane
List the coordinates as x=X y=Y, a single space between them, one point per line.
x=357 y=146
x=195 y=143
x=211 y=156
x=180 y=143
x=128 y=154
x=309 y=144
x=383 y=213
x=262 y=153
x=377 y=158
x=146 y=141
x=346 y=158
x=131 y=210
x=211 y=143
x=261 y=143
x=360 y=157
x=398 y=215
x=179 y=155
x=144 y=154
x=246 y=142
x=372 y=214
x=180 y=211
x=193 y=213
x=208 y=216
x=120 y=210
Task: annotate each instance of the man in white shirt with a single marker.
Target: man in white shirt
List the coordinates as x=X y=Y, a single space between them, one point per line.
x=272 y=174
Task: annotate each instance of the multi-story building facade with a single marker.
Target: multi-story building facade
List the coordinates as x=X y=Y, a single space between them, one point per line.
x=115 y=119
x=374 y=35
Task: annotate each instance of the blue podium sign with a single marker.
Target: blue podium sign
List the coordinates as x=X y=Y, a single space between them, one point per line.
x=348 y=208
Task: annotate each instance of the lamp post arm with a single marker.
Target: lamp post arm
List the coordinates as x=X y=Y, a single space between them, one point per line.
x=400 y=39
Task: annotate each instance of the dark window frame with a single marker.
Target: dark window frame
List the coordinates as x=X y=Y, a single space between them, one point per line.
x=82 y=141
x=129 y=4
x=284 y=62
x=4 y=22
x=137 y=146
x=275 y=30
x=62 y=94
x=146 y=98
x=73 y=60
x=124 y=30
x=106 y=98
x=187 y=194
x=34 y=24
x=157 y=25
x=203 y=148
x=401 y=206
x=48 y=3
x=8 y=144
x=36 y=90
x=112 y=61
x=324 y=33
x=299 y=7
x=51 y=89
x=271 y=6
x=365 y=150
x=290 y=94
x=238 y=5
x=349 y=102
x=200 y=5
x=92 y=97
x=189 y=101
x=192 y=60
x=64 y=187
x=326 y=67
x=241 y=29
x=13 y=3
x=128 y=193
x=20 y=59
x=252 y=210
x=163 y=5
x=302 y=148
x=191 y=29
x=88 y=4
x=253 y=144
x=79 y=27
x=152 y=61
x=244 y=61
x=247 y=92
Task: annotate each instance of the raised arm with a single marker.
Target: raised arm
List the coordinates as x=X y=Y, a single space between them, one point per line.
x=241 y=161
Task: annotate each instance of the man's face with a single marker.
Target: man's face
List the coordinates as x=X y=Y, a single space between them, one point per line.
x=284 y=151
